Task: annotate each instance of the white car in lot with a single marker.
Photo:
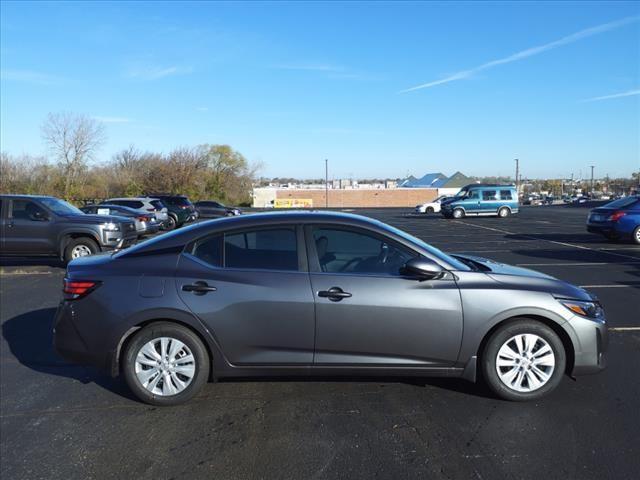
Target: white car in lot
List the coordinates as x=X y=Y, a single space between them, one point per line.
x=430 y=207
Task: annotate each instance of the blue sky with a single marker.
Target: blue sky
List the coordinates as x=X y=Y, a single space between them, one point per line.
x=289 y=84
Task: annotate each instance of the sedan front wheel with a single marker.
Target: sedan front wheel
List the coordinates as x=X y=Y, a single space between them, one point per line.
x=524 y=360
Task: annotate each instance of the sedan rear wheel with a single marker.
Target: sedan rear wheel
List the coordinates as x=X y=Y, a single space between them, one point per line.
x=524 y=360
x=165 y=364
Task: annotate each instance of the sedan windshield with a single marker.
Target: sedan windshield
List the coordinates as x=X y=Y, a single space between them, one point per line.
x=60 y=207
x=454 y=262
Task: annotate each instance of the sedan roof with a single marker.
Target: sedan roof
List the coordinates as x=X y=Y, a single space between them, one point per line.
x=174 y=241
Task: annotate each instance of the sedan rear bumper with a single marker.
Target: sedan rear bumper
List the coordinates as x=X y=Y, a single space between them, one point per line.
x=69 y=344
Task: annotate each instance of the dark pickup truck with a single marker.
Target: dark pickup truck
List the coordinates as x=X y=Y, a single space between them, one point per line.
x=40 y=225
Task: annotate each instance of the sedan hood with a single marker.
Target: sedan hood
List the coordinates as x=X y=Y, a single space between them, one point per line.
x=524 y=278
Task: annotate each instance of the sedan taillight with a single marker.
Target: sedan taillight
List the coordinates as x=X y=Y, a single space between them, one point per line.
x=75 y=289
x=615 y=216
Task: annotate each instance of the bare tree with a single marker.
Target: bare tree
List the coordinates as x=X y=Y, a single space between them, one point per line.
x=73 y=140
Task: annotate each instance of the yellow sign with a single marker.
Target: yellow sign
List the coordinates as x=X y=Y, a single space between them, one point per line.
x=293 y=203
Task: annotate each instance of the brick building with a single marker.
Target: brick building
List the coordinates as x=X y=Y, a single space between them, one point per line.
x=344 y=198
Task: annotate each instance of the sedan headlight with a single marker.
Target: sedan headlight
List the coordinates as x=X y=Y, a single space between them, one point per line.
x=582 y=308
x=110 y=227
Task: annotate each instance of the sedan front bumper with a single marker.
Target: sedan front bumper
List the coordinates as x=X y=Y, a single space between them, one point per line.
x=590 y=340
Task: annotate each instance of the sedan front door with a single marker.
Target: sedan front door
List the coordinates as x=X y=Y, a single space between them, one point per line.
x=368 y=314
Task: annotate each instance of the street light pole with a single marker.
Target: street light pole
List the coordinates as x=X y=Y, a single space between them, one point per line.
x=326 y=183
x=592 y=167
x=517 y=173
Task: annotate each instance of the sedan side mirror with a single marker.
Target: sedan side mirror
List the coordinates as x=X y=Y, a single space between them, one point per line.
x=423 y=268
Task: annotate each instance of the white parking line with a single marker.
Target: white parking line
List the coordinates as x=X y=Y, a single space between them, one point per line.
x=575 y=264
x=624 y=329
x=529 y=237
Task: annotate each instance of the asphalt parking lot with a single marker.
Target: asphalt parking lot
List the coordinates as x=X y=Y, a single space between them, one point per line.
x=63 y=421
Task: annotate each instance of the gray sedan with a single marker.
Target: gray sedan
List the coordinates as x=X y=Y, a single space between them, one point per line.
x=320 y=293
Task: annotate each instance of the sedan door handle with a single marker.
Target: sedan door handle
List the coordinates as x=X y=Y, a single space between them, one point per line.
x=335 y=294
x=198 y=288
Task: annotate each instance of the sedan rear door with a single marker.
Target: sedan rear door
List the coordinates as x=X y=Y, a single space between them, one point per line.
x=251 y=289
x=368 y=314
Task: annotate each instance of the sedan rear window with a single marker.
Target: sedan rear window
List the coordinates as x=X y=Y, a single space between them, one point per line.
x=267 y=249
x=623 y=202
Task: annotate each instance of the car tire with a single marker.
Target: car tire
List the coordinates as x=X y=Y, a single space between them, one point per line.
x=635 y=236
x=429 y=210
x=542 y=359
x=80 y=247
x=504 y=212
x=136 y=364
x=458 y=213
x=171 y=223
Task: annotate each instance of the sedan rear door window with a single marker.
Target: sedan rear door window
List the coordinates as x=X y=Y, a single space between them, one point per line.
x=209 y=250
x=267 y=249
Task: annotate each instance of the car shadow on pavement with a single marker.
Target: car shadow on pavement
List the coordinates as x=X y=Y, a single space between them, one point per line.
x=30 y=340
x=478 y=389
x=31 y=262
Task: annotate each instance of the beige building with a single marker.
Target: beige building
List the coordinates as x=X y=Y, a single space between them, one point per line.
x=343 y=198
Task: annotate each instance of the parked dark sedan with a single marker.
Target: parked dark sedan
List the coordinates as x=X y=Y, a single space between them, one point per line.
x=212 y=209
x=287 y=293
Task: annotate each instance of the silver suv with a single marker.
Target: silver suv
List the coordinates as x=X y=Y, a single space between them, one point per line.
x=152 y=205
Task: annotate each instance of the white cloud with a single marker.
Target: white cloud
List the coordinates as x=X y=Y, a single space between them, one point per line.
x=113 y=119
x=147 y=72
x=312 y=67
x=529 y=52
x=31 y=76
x=630 y=93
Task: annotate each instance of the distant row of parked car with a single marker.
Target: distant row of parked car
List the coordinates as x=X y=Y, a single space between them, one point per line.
x=484 y=199
x=42 y=225
x=619 y=219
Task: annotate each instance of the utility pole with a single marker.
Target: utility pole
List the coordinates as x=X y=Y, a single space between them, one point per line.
x=517 y=173
x=592 y=167
x=326 y=183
